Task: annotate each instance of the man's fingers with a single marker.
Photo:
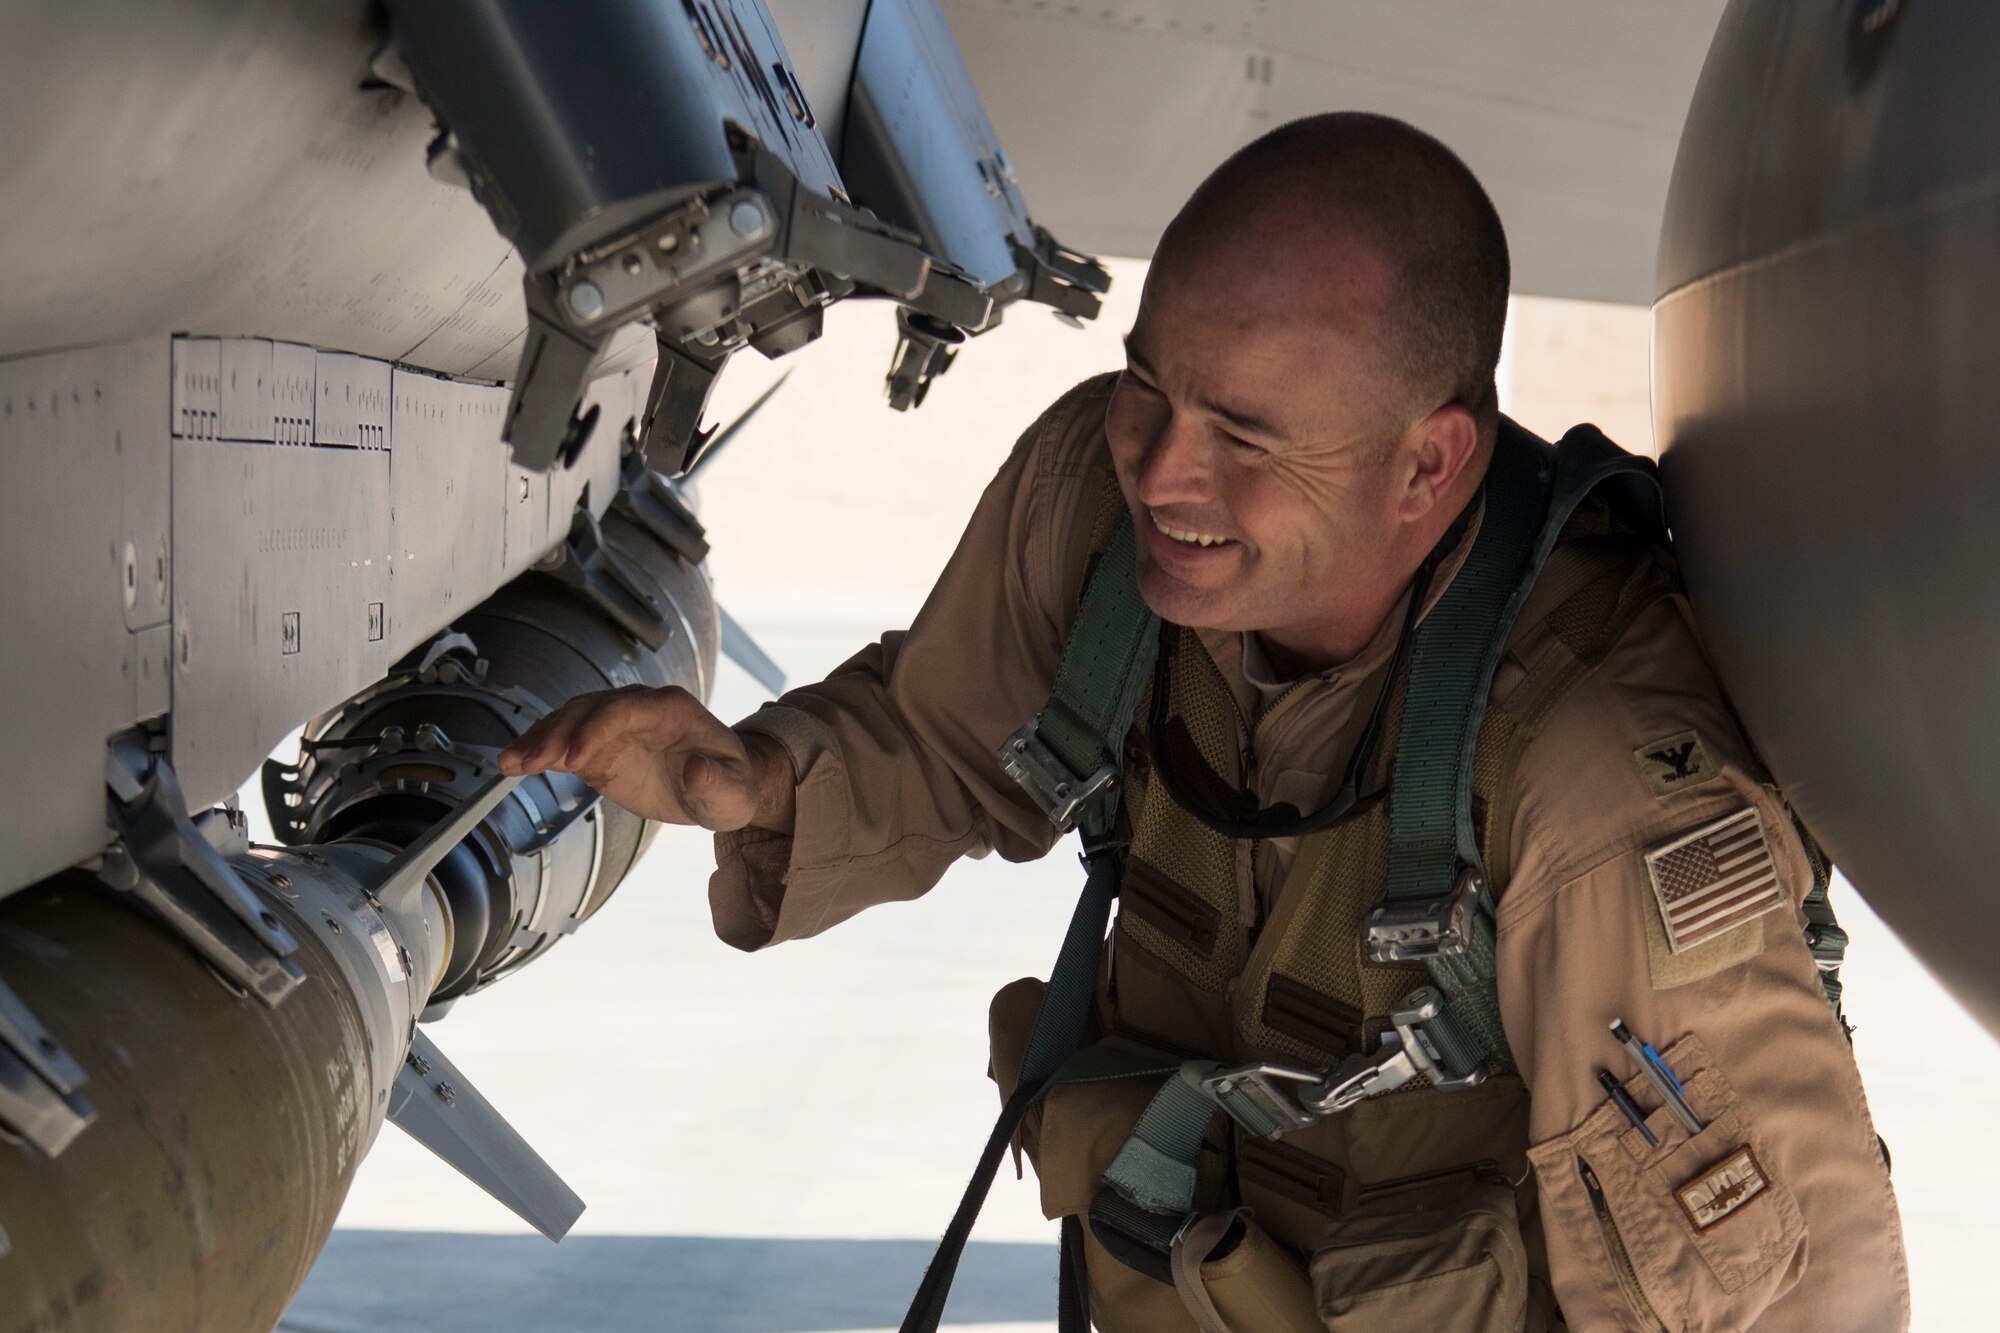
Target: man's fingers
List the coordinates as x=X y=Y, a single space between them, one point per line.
x=653 y=720
x=571 y=732
x=542 y=745
x=656 y=750
x=611 y=767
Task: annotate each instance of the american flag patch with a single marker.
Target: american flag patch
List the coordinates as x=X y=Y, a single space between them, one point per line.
x=1716 y=877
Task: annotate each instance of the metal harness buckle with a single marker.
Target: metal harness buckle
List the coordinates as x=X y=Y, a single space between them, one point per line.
x=1397 y=933
x=1252 y=1095
x=1063 y=796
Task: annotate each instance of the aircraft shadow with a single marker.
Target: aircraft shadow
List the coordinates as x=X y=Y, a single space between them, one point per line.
x=449 y=1282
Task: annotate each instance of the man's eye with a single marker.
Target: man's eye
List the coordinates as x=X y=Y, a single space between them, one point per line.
x=1242 y=445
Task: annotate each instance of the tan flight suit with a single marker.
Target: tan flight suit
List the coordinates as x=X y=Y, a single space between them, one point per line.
x=1779 y=1215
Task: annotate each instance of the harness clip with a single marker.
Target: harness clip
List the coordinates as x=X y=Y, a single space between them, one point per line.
x=1063 y=796
x=1256 y=1098
x=1419 y=1019
x=1396 y=933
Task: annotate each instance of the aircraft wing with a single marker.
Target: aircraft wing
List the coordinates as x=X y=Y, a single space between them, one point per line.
x=1568 y=110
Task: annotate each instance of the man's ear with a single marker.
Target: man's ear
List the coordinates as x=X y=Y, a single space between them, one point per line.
x=1441 y=447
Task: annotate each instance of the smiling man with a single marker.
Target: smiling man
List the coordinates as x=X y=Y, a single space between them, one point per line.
x=1297 y=484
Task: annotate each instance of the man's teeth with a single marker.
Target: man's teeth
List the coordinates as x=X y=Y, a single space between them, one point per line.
x=1192 y=538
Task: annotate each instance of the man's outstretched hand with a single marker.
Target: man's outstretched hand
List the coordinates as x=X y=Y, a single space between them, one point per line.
x=660 y=754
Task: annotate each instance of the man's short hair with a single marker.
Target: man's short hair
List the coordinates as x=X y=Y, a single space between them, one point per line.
x=1417 y=205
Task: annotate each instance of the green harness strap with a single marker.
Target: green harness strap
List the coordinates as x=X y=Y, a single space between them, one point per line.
x=1105 y=665
x=1436 y=904
x=1068 y=760
x=1825 y=939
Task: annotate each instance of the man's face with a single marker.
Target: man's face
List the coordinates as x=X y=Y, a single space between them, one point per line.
x=1253 y=449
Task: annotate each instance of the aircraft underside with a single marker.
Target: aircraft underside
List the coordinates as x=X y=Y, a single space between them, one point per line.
x=352 y=357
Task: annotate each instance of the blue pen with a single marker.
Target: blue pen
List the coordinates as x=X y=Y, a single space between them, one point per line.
x=1653 y=1058
x=1658 y=1073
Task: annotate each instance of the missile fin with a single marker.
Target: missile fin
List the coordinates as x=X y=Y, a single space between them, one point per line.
x=713 y=444
x=740 y=648
x=438 y=1107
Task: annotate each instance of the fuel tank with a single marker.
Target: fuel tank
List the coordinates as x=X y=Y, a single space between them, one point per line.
x=1825 y=341
x=213 y=1170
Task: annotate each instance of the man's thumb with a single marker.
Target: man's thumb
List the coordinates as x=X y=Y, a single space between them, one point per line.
x=716 y=793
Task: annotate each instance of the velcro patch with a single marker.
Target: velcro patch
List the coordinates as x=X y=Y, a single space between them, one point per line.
x=1674 y=762
x=1723 y=1188
x=1714 y=878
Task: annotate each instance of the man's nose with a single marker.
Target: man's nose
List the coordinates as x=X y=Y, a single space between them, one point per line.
x=1178 y=466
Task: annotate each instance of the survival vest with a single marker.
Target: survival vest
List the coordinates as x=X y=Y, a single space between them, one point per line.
x=1374 y=974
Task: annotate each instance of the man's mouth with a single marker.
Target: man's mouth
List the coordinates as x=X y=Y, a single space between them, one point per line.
x=1190 y=538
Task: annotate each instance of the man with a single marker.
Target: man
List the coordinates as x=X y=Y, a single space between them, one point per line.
x=1300 y=439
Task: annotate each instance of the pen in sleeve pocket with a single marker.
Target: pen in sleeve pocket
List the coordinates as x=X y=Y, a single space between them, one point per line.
x=1623 y=1100
x=1656 y=1070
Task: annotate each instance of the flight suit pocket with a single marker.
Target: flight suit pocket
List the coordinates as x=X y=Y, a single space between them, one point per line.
x=1072 y=1133
x=1696 y=1234
x=1083 y=1125
x=1179 y=914
x=1444 y=1257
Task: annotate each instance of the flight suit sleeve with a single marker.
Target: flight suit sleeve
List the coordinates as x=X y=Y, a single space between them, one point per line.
x=894 y=751
x=1657 y=880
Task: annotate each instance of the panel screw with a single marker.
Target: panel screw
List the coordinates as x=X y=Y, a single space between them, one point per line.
x=446 y=1093
x=586 y=299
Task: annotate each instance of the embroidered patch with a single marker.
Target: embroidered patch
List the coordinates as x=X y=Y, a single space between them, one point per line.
x=1714 y=878
x=1723 y=1188
x=1674 y=762
x=1737 y=945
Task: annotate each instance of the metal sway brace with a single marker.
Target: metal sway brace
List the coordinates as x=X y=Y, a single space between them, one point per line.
x=39 y=1079
x=163 y=859
x=1272 y=1100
